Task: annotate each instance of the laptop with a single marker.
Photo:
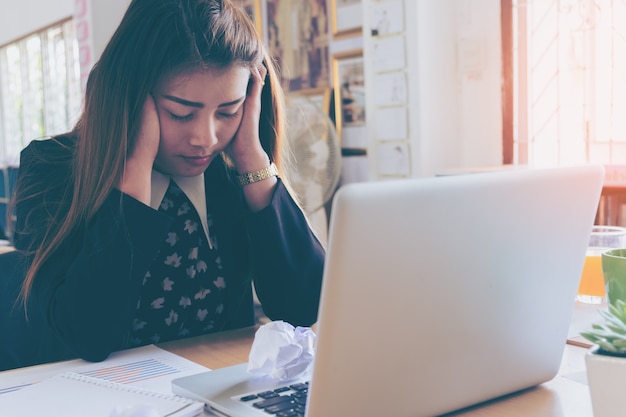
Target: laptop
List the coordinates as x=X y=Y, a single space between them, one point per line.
x=438 y=294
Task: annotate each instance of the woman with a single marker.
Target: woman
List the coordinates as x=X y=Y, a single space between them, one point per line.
x=184 y=104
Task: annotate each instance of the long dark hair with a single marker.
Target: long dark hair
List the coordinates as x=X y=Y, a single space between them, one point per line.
x=156 y=39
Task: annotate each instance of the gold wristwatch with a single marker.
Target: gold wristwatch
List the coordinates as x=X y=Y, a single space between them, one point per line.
x=252 y=177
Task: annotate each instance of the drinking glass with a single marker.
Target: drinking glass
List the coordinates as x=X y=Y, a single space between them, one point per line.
x=592 y=288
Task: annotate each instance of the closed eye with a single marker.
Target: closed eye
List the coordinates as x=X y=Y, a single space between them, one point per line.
x=184 y=118
x=229 y=115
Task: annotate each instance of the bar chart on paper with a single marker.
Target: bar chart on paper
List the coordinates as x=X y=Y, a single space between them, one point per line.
x=133 y=372
x=148 y=367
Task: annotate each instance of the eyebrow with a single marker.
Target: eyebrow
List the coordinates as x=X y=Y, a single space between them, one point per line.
x=197 y=104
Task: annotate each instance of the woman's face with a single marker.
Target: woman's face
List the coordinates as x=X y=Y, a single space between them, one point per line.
x=199 y=114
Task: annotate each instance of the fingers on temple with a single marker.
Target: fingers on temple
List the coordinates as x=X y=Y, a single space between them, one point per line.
x=261 y=73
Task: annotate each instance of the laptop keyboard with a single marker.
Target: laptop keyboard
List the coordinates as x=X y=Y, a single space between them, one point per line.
x=287 y=401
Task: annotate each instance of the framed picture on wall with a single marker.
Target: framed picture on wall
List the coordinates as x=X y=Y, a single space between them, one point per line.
x=253 y=9
x=349 y=87
x=346 y=18
x=298 y=40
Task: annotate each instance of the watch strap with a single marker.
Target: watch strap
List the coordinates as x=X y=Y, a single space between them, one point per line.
x=260 y=175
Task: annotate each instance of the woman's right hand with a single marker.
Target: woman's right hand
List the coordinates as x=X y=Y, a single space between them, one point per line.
x=136 y=181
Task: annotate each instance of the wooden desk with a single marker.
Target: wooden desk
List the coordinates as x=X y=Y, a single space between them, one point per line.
x=567 y=395
x=215 y=350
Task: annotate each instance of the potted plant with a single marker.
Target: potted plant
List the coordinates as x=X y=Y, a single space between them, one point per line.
x=606 y=362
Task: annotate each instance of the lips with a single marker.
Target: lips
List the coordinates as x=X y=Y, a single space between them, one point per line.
x=197 y=160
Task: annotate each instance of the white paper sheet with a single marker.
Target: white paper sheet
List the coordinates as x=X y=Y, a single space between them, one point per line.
x=148 y=367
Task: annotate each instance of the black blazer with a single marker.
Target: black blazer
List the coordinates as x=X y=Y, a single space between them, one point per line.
x=84 y=299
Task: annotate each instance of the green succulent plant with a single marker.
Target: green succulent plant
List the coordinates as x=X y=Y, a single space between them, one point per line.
x=610 y=336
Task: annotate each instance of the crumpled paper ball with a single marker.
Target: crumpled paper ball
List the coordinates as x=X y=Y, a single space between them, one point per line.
x=281 y=351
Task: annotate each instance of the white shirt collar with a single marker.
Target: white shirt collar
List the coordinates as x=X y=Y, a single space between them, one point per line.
x=193 y=187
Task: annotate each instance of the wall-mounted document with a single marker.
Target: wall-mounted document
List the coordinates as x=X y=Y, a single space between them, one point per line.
x=393 y=159
x=388 y=54
x=386 y=18
x=390 y=89
x=391 y=124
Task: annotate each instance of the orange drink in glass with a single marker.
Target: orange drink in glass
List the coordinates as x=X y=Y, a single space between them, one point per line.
x=592 y=288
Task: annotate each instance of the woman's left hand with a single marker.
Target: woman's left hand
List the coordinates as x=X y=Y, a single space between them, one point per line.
x=245 y=149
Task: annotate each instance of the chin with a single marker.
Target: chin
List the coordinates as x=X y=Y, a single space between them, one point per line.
x=190 y=172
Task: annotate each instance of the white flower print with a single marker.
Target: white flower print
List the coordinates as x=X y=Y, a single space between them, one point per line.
x=191 y=272
x=201 y=295
x=172 y=318
x=171 y=238
x=201 y=266
x=167 y=204
x=190 y=227
x=168 y=284
x=220 y=283
x=183 y=209
x=202 y=313
x=173 y=260
x=158 y=303
x=182 y=290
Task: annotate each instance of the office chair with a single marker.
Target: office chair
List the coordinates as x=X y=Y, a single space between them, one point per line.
x=14 y=348
x=23 y=342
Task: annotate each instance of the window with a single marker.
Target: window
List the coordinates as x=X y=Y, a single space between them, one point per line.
x=39 y=88
x=569 y=87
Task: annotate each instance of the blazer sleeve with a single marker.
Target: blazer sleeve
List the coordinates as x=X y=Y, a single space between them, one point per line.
x=87 y=291
x=287 y=261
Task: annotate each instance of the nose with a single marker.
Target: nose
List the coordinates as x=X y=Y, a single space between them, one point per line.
x=204 y=134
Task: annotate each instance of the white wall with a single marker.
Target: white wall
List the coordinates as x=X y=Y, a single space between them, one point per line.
x=21 y=17
x=480 y=122
x=105 y=16
x=453 y=68
x=460 y=80
x=436 y=118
